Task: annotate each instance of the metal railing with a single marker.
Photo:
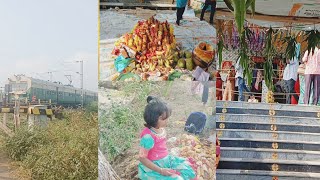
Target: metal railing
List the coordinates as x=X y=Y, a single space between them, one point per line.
x=280 y=96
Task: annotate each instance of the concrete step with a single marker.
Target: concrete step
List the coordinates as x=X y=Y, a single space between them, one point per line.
x=231 y=110
x=262 y=134
x=266 y=153
x=251 y=147
x=268 y=126
x=286 y=107
x=268 y=143
x=237 y=174
x=255 y=118
x=268 y=165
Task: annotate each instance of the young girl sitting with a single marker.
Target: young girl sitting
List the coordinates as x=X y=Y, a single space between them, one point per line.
x=155 y=161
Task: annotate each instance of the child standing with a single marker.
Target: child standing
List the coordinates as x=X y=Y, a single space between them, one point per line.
x=155 y=161
x=228 y=94
x=181 y=6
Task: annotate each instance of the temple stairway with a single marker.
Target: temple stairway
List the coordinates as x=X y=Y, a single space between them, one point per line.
x=268 y=141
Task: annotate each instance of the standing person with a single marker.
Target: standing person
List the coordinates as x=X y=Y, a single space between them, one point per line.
x=213 y=4
x=218 y=86
x=290 y=75
x=228 y=94
x=155 y=160
x=312 y=75
x=241 y=82
x=181 y=6
x=257 y=85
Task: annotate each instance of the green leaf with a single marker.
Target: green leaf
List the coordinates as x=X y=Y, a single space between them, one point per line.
x=248 y=3
x=253 y=7
x=229 y=4
x=220 y=49
x=291 y=47
x=313 y=39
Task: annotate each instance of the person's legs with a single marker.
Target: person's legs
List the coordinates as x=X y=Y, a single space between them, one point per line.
x=290 y=90
x=225 y=93
x=213 y=10
x=203 y=11
x=205 y=93
x=179 y=14
x=229 y=92
x=245 y=86
x=232 y=92
x=307 y=88
x=286 y=86
x=296 y=96
x=219 y=94
x=236 y=93
x=240 y=86
x=182 y=12
x=316 y=89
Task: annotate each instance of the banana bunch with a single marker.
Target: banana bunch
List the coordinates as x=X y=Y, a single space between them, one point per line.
x=270 y=97
x=166 y=59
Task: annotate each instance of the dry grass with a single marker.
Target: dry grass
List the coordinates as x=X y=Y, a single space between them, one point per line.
x=65 y=149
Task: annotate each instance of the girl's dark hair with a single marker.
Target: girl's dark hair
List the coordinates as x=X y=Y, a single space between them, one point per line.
x=154 y=109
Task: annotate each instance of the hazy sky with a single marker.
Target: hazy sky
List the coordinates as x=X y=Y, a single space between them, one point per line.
x=39 y=36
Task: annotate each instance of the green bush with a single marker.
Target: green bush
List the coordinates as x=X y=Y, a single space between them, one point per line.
x=92 y=107
x=121 y=124
x=64 y=150
x=23 y=142
x=118 y=129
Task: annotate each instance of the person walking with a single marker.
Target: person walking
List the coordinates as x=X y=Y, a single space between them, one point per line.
x=181 y=6
x=312 y=75
x=208 y=3
x=241 y=82
x=290 y=75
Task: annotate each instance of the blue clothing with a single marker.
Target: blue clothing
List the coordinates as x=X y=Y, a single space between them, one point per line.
x=242 y=86
x=181 y=3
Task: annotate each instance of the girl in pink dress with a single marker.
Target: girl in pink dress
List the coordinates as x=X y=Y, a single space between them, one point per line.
x=155 y=161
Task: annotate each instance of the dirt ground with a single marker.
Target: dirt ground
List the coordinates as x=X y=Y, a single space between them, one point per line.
x=6 y=168
x=182 y=102
x=9 y=169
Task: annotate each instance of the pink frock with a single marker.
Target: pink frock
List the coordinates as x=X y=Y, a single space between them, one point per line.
x=157 y=152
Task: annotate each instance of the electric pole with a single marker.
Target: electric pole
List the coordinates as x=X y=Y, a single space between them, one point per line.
x=69 y=78
x=50 y=76
x=81 y=80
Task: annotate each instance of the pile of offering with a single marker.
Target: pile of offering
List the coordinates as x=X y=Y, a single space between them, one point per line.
x=202 y=153
x=150 y=51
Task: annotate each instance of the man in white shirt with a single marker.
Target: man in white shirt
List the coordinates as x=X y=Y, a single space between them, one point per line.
x=240 y=81
x=290 y=76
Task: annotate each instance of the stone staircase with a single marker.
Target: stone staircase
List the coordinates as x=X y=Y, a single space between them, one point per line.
x=268 y=141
